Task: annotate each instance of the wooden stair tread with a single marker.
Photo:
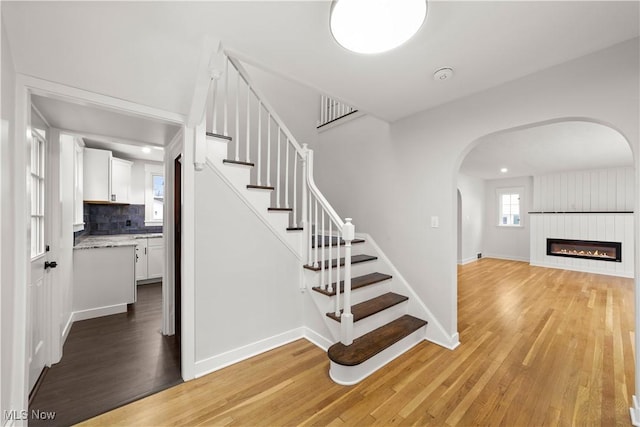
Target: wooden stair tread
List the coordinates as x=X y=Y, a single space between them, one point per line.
x=372 y=306
x=238 y=162
x=356 y=282
x=372 y=343
x=324 y=241
x=217 y=135
x=261 y=187
x=355 y=259
x=280 y=209
x=295 y=228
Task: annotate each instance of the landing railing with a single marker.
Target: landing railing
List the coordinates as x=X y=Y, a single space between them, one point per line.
x=332 y=110
x=236 y=109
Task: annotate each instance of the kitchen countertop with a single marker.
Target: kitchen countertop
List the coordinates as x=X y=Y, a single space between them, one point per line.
x=112 y=241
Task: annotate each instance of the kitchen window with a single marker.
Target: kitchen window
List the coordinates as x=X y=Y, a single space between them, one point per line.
x=153 y=194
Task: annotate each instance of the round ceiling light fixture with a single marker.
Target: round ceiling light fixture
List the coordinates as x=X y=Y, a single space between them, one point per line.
x=504 y=170
x=375 y=26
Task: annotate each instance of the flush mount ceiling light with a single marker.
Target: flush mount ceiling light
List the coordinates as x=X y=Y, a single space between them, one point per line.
x=375 y=26
x=146 y=150
x=504 y=170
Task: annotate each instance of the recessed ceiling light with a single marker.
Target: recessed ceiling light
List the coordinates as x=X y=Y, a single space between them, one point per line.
x=159 y=148
x=504 y=170
x=443 y=74
x=146 y=150
x=375 y=26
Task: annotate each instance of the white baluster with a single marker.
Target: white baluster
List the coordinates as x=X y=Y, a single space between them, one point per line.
x=259 y=142
x=226 y=96
x=237 y=117
x=214 y=104
x=308 y=230
x=278 y=171
x=269 y=151
x=321 y=110
x=320 y=247
x=295 y=189
x=286 y=174
x=315 y=252
x=248 y=123
x=338 y=275
x=330 y=256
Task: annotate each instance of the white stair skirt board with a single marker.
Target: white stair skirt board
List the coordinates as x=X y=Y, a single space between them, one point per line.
x=635 y=412
x=228 y=358
x=99 y=312
x=276 y=222
x=435 y=331
x=316 y=339
x=350 y=375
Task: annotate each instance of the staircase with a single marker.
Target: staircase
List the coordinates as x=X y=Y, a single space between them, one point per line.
x=363 y=306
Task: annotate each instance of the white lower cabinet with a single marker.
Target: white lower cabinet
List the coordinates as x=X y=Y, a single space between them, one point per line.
x=149 y=258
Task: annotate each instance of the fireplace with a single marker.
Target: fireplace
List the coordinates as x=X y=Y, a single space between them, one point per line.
x=586 y=249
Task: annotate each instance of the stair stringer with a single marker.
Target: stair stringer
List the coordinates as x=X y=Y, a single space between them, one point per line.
x=435 y=332
x=237 y=178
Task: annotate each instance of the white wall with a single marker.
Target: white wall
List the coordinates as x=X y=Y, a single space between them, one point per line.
x=247 y=283
x=7 y=174
x=391 y=183
x=507 y=242
x=472 y=192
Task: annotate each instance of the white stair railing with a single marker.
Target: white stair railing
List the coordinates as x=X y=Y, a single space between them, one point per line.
x=332 y=110
x=254 y=124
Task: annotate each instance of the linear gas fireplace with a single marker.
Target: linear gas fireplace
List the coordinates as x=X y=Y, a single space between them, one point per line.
x=587 y=249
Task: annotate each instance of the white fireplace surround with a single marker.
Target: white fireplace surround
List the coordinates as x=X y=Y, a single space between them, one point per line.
x=616 y=227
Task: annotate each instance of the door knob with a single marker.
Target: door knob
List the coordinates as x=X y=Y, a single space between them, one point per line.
x=51 y=264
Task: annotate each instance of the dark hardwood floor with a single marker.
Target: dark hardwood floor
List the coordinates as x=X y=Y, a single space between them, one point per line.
x=110 y=361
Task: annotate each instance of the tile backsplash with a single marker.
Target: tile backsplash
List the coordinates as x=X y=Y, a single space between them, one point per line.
x=115 y=219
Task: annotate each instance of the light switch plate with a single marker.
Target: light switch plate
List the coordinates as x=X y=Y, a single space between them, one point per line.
x=435 y=222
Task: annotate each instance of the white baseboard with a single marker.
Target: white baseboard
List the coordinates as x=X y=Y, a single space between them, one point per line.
x=468 y=260
x=635 y=412
x=228 y=358
x=506 y=257
x=67 y=329
x=98 y=312
x=317 y=339
x=583 y=270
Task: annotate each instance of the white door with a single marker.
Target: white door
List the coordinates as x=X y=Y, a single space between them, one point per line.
x=40 y=279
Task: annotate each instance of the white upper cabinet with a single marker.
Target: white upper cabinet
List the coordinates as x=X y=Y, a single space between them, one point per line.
x=106 y=178
x=78 y=184
x=120 y=180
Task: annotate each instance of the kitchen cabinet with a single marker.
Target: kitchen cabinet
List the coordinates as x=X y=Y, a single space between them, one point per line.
x=106 y=178
x=103 y=280
x=149 y=258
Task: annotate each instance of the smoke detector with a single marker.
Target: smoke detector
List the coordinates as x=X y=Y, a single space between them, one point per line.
x=443 y=74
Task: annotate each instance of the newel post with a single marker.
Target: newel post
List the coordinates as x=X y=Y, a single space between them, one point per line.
x=346 y=320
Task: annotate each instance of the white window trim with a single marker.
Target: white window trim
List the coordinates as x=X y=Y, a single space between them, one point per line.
x=510 y=190
x=149 y=171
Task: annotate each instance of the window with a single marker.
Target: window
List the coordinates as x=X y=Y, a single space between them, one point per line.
x=153 y=194
x=509 y=207
x=158 y=196
x=38 y=152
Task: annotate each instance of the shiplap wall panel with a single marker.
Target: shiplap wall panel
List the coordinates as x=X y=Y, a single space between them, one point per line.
x=596 y=190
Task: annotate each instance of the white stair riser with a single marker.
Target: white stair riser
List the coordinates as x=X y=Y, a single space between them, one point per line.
x=216 y=149
x=358 y=295
x=368 y=324
x=349 y=375
x=356 y=249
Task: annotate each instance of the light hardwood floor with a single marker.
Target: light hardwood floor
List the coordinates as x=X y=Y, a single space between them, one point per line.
x=538 y=347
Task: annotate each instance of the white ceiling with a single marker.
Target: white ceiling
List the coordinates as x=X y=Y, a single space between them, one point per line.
x=126 y=151
x=546 y=149
x=147 y=52
x=102 y=124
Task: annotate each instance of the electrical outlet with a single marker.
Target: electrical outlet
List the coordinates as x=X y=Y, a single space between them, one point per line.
x=128 y=223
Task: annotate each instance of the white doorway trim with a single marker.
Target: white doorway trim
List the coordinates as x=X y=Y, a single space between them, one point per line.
x=25 y=86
